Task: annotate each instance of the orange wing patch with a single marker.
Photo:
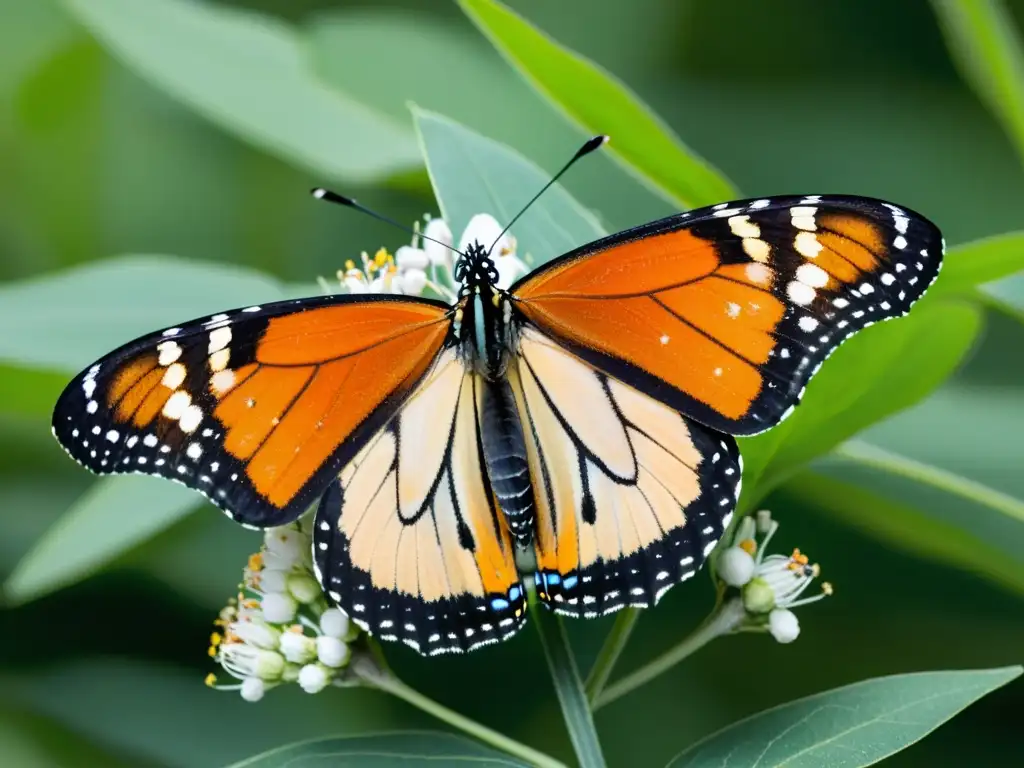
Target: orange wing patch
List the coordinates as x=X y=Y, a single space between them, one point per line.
x=254 y=408
x=725 y=313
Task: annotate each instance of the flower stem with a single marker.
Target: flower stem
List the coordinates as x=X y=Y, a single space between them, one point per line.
x=391 y=684
x=610 y=652
x=722 y=621
x=575 y=708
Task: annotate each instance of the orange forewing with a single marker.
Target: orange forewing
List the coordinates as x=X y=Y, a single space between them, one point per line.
x=657 y=303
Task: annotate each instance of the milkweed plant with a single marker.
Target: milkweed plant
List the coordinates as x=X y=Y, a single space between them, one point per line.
x=280 y=631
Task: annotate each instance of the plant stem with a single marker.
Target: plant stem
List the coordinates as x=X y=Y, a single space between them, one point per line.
x=575 y=708
x=886 y=461
x=613 y=646
x=391 y=684
x=722 y=621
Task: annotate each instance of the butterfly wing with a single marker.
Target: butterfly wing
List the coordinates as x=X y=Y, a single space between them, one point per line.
x=259 y=408
x=725 y=313
x=630 y=495
x=410 y=541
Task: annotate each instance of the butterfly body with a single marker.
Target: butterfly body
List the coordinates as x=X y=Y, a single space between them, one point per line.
x=586 y=412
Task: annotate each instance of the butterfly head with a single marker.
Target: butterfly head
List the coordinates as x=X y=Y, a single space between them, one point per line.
x=475 y=270
x=482 y=315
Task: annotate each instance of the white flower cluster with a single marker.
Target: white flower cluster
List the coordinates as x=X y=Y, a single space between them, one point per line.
x=770 y=587
x=279 y=628
x=428 y=262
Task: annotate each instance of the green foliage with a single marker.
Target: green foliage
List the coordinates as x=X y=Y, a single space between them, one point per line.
x=66 y=320
x=472 y=174
x=873 y=375
x=987 y=49
x=599 y=103
x=854 y=726
x=916 y=531
x=382 y=750
x=248 y=74
x=103 y=524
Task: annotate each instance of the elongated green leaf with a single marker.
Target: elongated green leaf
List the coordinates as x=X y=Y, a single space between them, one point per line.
x=66 y=320
x=986 y=48
x=248 y=74
x=472 y=174
x=972 y=264
x=951 y=539
x=401 y=748
x=853 y=726
x=878 y=372
x=113 y=516
x=1007 y=296
x=600 y=103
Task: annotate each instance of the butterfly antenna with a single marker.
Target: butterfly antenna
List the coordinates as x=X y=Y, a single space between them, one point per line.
x=595 y=143
x=333 y=197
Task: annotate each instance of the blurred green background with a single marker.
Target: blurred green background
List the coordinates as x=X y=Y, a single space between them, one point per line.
x=793 y=96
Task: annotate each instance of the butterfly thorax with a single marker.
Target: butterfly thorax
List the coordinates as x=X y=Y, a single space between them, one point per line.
x=482 y=315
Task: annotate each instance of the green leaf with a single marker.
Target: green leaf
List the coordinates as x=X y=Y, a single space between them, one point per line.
x=144 y=708
x=952 y=539
x=108 y=520
x=985 y=46
x=572 y=697
x=401 y=748
x=64 y=321
x=248 y=74
x=29 y=741
x=852 y=726
x=599 y=103
x=982 y=261
x=29 y=392
x=1006 y=295
x=472 y=174
x=880 y=371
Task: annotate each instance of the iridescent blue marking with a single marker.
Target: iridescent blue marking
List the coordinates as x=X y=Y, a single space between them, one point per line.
x=499 y=603
x=552 y=578
x=480 y=334
x=514 y=593
x=570 y=581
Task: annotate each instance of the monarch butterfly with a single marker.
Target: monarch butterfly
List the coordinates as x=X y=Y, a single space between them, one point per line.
x=587 y=412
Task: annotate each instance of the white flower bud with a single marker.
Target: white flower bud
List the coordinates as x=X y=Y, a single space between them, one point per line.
x=313 y=678
x=279 y=607
x=438 y=230
x=273 y=580
x=244 y=661
x=297 y=647
x=483 y=229
x=736 y=567
x=256 y=632
x=303 y=587
x=334 y=623
x=783 y=625
x=408 y=257
x=253 y=689
x=758 y=596
x=414 y=281
x=331 y=651
x=764 y=520
x=285 y=542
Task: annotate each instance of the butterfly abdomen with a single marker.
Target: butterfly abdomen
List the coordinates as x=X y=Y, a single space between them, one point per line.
x=505 y=456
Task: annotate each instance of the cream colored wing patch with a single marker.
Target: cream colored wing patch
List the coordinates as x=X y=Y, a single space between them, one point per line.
x=409 y=540
x=631 y=496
